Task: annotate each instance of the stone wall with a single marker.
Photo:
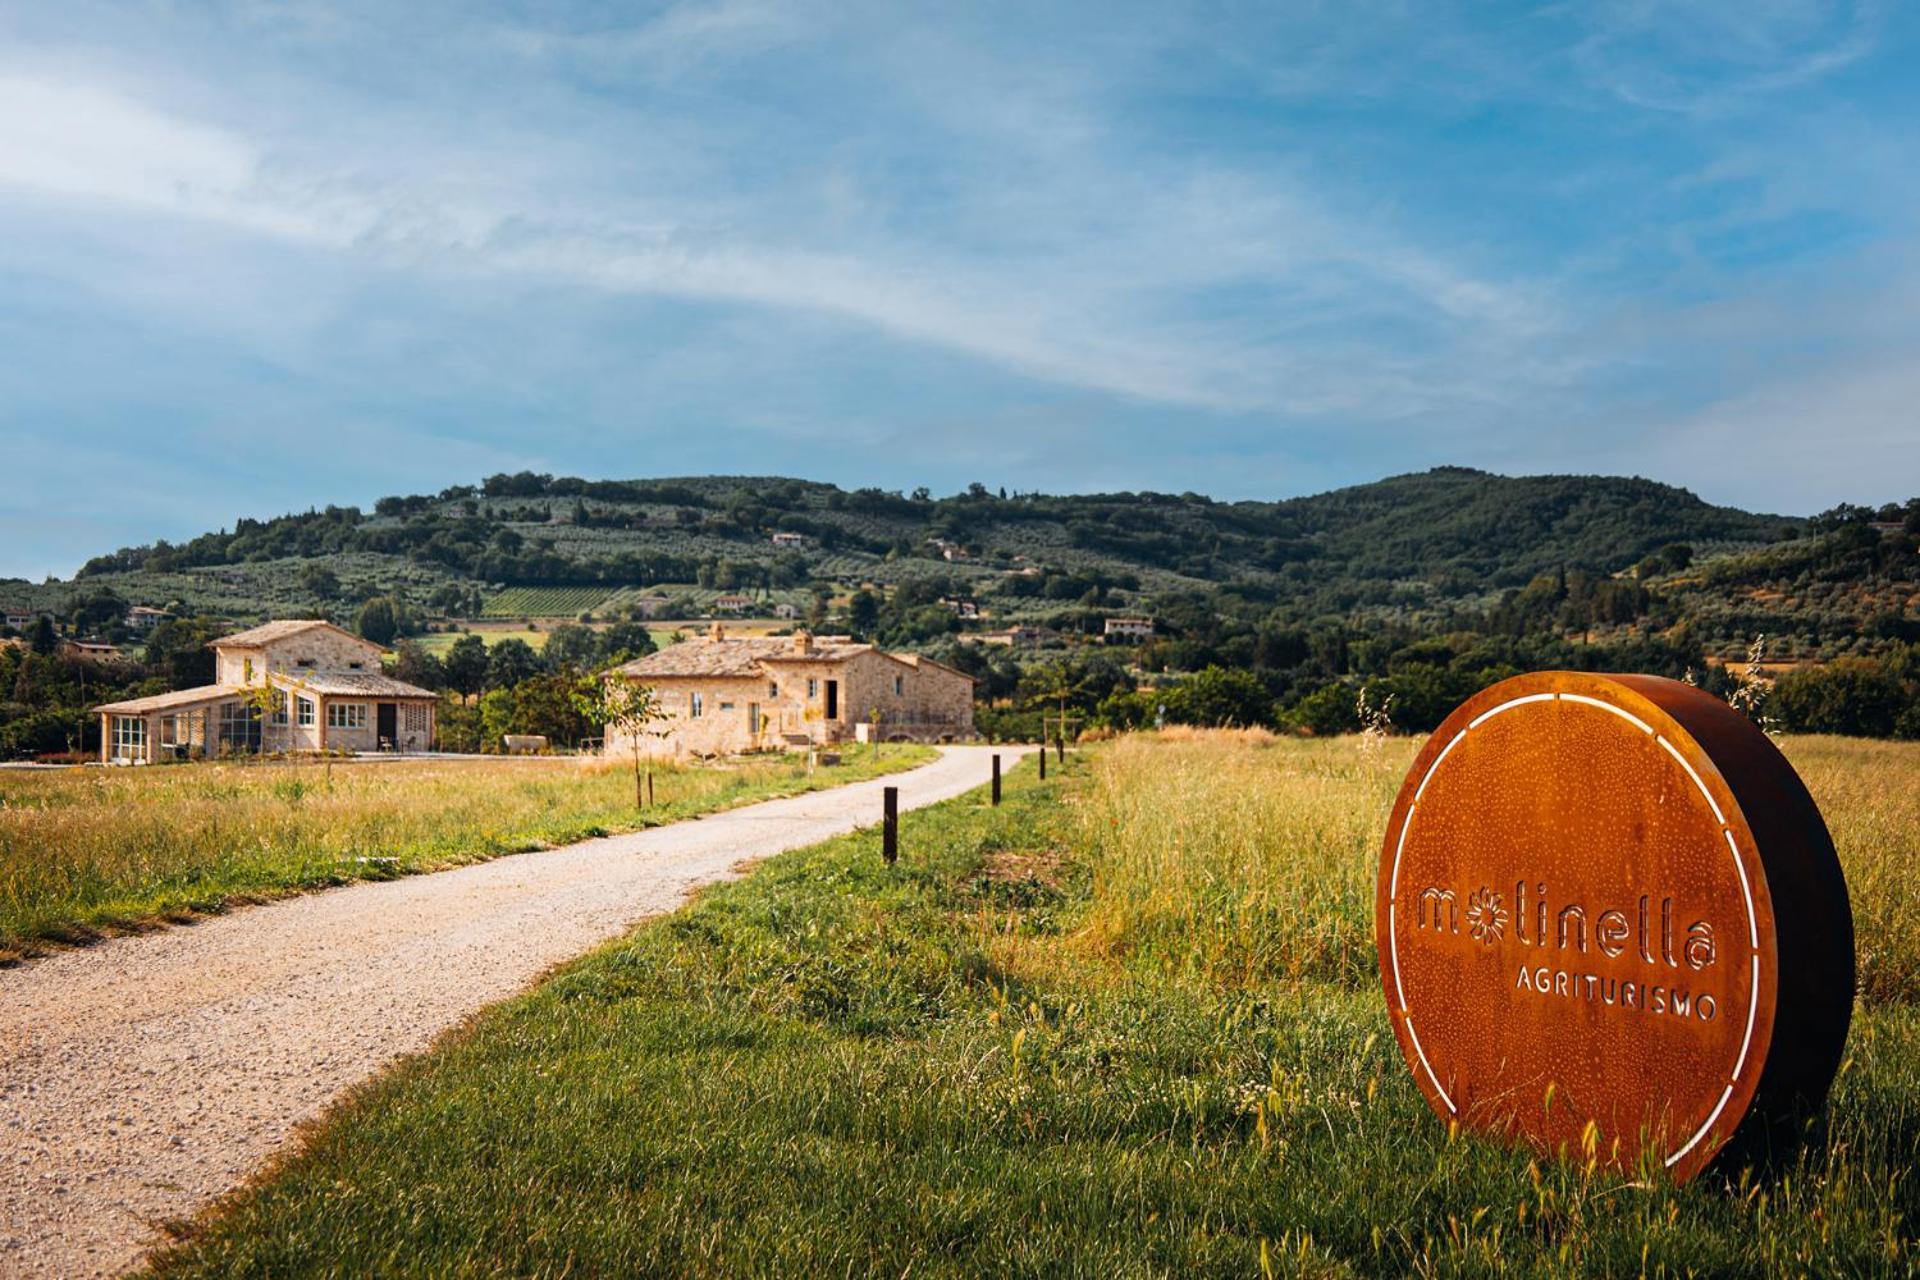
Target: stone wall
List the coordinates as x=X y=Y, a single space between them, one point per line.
x=724 y=725
x=921 y=701
x=320 y=648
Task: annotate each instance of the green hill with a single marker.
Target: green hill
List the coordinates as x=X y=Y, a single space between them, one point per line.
x=538 y=544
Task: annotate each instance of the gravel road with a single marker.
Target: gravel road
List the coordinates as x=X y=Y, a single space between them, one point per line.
x=142 y=1077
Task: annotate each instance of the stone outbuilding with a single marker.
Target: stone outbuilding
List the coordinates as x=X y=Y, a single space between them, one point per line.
x=724 y=695
x=330 y=695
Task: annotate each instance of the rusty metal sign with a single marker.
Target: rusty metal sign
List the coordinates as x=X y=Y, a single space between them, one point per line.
x=1611 y=924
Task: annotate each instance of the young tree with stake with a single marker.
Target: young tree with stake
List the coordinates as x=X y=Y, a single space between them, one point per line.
x=624 y=707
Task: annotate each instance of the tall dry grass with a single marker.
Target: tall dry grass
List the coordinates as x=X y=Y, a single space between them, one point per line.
x=1869 y=793
x=94 y=850
x=1242 y=857
x=1237 y=855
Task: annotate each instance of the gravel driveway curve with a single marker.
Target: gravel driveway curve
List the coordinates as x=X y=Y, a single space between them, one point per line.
x=142 y=1077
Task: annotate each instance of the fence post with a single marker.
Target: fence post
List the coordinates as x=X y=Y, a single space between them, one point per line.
x=890 y=826
x=1059 y=745
x=1043 y=759
x=996 y=777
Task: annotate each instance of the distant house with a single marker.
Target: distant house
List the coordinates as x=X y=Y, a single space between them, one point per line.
x=732 y=604
x=786 y=610
x=91 y=650
x=1127 y=630
x=786 y=539
x=19 y=617
x=949 y=550
x=961 y=608
x=649 y=606
x=1020 y=636
x=332 y=696
x=145 y=618
x=725 y=694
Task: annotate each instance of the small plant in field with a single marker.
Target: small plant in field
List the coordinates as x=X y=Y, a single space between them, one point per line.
x=1751 y=690
x=624 y=707
x=1376 y=722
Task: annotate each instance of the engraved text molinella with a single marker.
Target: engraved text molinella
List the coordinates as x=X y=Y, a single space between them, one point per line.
x=1646 y=930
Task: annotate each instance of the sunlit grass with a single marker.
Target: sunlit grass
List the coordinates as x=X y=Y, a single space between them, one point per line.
x=93 y=850
x=1126 y=1024
x=1253 y=857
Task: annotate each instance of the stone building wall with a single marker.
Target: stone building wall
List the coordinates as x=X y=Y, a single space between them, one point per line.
x=321 y=648
x=923 y=702
x=724 y=725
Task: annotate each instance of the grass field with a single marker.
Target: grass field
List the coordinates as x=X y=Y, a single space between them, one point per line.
x=84 y=852
x=1127 y=1024
x=663 y=632
x=490 y=634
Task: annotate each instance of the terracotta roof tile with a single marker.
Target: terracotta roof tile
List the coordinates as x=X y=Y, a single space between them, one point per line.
x=364 y=683
x=704 y=657
x=168 y=701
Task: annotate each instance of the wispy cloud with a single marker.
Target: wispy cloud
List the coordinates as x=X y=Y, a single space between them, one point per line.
x=1077 y=314
x=682 y=37
x=1716 y=57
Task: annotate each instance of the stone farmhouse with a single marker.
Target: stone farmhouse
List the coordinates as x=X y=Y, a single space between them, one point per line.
x=724 y=695
x=332 y=697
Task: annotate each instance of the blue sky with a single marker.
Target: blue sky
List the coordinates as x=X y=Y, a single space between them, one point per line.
x=263 y=256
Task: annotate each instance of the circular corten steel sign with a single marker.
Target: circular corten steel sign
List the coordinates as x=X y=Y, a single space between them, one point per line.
x=1610 y=919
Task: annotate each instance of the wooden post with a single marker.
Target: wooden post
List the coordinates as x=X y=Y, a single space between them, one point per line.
x=649 y=788
x=996 y=777
x=1043 y=760
x=1059 y=745
x=890 y=826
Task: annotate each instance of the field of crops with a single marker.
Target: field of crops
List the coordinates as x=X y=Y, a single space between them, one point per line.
x=543 y=602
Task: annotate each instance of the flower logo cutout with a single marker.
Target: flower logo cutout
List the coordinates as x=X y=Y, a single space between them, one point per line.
x=1486 y=917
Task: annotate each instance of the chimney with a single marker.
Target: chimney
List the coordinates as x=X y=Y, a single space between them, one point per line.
x=803 y=641
x=719 y=632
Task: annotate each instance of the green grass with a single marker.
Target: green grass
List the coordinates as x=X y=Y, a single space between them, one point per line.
x=1059 y=1038
x=93 y=851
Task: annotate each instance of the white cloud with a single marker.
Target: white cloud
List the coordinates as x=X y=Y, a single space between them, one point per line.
x=1099 y=310
x=77 y=140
